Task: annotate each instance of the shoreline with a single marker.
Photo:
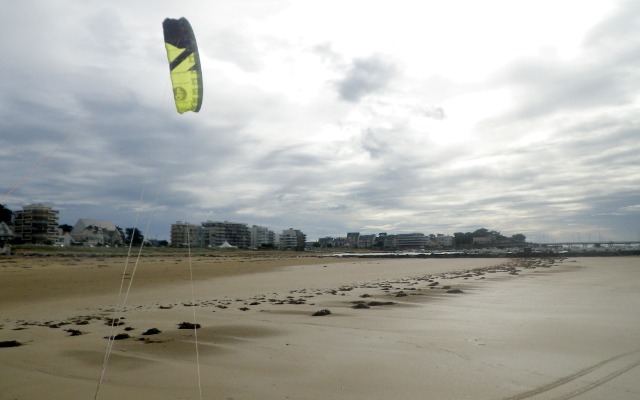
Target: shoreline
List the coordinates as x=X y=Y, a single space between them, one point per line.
x=255 y=352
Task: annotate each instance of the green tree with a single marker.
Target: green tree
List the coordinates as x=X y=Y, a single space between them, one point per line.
x=518 y=238
x=6 y=215
x=463 y=239
x=66 y=228
x=133 y=236
x=482 y=232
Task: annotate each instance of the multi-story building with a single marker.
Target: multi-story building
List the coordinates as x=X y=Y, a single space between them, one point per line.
x=340 y=242
x=262 y=236
x=215 y=233
x=184 y=234
x=378 y=243
x=293 y=239
x=36 y=224
x=352 y=239
x=390 y=242
x=405 y=241
x=333 y=242
x=366 y=241
x=411 y=241
x=416 y=240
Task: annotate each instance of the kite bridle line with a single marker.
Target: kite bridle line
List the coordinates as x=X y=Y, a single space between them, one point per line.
x=193 y=307
x=120 y=308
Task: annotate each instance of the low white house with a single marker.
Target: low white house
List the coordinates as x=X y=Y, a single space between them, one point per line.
x=64 y=238
x=93 y=232
x=6 y=233
x=445 y=240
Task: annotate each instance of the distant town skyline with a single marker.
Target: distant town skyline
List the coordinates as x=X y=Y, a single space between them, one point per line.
x=578 y=238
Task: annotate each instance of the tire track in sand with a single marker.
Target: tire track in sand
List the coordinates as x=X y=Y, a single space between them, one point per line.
x=571 y=378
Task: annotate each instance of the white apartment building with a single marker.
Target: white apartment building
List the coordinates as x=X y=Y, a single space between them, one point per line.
x=36 y=224
x=292 y=239
x=261 y=235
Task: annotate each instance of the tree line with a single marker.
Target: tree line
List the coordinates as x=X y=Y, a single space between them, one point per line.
x=466 y=238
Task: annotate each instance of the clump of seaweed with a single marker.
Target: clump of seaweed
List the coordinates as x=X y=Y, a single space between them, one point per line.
x=151 y=331
x=321 y=313
x=119 y=336
x=380 y=303
x=188 y=325
x=114 y=321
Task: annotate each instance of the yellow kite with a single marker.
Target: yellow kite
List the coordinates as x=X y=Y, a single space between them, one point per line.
x=184 y=64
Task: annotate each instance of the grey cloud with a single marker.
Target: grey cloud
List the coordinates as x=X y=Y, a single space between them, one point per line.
x=366 y=76
x=432 y=112
x=543 y=87
x=329 y=56
x=603 y=75
x=617 y=30
x=232 y=47
x=376 y=142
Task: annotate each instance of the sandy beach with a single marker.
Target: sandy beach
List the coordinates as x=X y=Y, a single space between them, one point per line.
x=397 y=328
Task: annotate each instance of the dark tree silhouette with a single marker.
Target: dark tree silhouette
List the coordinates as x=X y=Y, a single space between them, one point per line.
x=6 y=215
x=133 y=236
x=65 y=228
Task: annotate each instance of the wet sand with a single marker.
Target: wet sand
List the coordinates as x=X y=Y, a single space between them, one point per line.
x=518 y=330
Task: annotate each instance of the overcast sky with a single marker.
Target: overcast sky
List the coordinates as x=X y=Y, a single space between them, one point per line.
x=329 y=116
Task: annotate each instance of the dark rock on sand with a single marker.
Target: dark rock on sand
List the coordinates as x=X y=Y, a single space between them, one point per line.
x=188 y=325
x=119 y=336
x=380 y=303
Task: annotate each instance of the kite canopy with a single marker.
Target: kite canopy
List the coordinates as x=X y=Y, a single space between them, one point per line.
x=184 y=64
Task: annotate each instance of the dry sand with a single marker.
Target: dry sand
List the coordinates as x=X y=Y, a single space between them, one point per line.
x=562 y=330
